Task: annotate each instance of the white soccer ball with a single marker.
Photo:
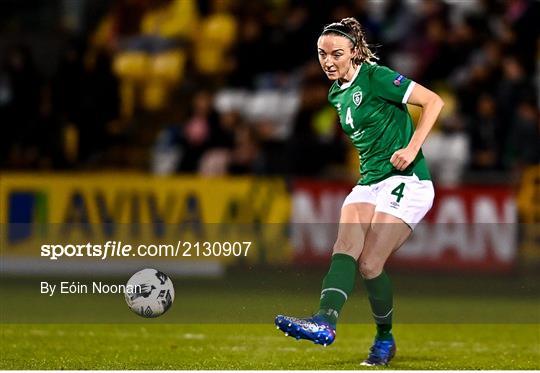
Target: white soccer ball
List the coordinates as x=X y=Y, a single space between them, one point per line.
x=149 y=293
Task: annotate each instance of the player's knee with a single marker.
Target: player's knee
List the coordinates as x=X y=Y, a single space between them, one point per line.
x=370 y=269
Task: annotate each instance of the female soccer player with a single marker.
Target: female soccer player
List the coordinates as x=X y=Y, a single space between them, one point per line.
x=394 y=191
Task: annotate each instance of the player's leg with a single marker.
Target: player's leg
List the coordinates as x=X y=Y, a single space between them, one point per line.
x=339 y=281
x=401 y=203
x=386 y=234
x=356 y=215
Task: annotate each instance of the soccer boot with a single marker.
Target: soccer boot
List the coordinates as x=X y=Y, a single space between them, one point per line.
x=380 y=353
x=314 y=329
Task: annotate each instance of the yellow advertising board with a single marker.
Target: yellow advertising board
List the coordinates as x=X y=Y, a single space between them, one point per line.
x=188 y=214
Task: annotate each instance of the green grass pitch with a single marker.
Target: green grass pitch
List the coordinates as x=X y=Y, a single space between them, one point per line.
x=255 y=346
x=441 y=323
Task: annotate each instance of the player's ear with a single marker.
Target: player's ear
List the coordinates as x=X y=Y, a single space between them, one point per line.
x=354 y=52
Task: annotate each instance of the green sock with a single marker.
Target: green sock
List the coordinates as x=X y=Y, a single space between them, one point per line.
x=379 y=290
x=337 y=285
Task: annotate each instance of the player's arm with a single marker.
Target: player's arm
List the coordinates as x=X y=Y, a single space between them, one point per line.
x=431 y=104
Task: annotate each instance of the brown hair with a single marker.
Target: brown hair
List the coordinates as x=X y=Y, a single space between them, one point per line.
x=352 y=30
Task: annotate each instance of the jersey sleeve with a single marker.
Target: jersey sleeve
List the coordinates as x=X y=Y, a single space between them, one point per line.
x=391 y=85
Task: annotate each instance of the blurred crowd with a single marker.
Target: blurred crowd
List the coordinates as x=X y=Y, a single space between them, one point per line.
x=233 y=87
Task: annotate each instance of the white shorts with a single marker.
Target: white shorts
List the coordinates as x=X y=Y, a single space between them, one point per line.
x=405 y=197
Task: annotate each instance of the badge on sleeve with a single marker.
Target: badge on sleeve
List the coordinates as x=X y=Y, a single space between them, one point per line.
x=357 y=97
x=398 y=80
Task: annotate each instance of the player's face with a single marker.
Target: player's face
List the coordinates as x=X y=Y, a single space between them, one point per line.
x=335 y=55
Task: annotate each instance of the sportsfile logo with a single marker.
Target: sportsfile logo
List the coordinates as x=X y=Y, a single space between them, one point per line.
x=109 y=249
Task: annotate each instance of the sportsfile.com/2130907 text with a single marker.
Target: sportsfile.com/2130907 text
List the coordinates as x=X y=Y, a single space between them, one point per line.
x=118 y=249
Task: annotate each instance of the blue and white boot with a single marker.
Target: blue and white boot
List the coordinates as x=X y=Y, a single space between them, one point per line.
x=380 y=353
x=315 y=329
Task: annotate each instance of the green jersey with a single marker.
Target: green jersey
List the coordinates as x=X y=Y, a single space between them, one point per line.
x=373 y=113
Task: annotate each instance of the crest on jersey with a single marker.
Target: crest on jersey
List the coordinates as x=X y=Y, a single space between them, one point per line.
x=357 y=97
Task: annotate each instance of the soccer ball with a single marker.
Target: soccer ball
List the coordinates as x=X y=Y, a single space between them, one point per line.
x=149 y=293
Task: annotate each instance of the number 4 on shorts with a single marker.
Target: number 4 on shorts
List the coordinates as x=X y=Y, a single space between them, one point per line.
x=398 y=192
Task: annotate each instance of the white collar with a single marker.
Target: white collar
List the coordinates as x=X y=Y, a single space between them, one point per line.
x=348 y=84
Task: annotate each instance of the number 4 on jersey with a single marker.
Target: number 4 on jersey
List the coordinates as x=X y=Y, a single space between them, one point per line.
x=348 y=118
x=398 y=192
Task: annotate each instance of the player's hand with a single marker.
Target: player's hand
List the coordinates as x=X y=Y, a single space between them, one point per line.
x=402 y=158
